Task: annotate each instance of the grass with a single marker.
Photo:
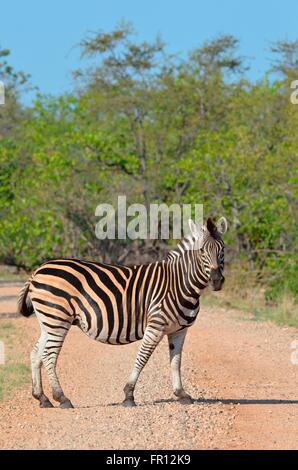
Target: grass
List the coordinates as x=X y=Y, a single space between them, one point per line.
x=284 y=312
x=13 y=373
x=243 y=291
x=11 y=273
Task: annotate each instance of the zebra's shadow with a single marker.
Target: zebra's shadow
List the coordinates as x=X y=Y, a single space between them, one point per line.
x=201 y=401
x=246 y=401
x=217 y=401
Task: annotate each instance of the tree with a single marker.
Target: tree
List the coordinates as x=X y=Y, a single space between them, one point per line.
x=14 y=82
x=286 y=62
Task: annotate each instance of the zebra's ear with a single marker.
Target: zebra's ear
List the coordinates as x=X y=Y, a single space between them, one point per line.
x=222 y=225
x=211 y=227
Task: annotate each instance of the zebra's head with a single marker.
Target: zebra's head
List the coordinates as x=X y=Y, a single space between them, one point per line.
x=210 y=248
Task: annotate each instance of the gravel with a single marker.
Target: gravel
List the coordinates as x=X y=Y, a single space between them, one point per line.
x=235 y=369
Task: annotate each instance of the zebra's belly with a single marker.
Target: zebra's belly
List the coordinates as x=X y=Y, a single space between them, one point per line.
x=104 y=336
x=117 y=342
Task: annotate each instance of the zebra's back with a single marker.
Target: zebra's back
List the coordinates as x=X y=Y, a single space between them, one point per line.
x=109 y=303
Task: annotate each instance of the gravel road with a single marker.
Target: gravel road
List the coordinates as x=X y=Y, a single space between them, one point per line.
x=239 y=371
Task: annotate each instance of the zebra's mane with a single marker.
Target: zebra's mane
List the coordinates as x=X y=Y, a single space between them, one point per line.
x=190 y=242
x=187 y=243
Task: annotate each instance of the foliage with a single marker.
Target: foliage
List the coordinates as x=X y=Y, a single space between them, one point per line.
x=146 y=124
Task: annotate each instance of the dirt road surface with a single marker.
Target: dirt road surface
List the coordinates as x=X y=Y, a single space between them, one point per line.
x=239 y=371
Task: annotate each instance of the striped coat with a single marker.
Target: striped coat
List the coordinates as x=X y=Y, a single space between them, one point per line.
x=122 y=304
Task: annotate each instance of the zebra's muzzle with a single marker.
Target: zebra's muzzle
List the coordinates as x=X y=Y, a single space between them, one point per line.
x=216 y=279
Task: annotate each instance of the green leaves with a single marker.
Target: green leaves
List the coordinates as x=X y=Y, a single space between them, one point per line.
x=144 y=124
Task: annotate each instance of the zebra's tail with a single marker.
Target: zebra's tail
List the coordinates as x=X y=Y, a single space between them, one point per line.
x=25 y=306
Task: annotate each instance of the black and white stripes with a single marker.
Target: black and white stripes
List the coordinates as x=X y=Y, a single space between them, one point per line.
x=122 y=304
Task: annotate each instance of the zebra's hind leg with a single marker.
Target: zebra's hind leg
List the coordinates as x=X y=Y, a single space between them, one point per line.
x=149 y=342
x=36 y=363
x=176 y=341
x=50 y=356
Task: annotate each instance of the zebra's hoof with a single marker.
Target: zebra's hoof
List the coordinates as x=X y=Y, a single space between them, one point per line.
x=186 y=400
x=129 y=403
x=66 y=404
x=46 y=404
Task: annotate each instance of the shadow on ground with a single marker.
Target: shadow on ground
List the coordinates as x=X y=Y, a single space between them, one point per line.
x=217 y=401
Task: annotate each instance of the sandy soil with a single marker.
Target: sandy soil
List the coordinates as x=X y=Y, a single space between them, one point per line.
x=8 y=297
x=239 y=371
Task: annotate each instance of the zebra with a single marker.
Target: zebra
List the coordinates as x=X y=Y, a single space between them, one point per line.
x=118 y=305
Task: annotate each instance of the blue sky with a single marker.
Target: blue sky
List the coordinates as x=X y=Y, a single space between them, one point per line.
x=41 y=34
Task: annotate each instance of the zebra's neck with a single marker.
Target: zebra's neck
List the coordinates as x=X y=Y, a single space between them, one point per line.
x=187 y=265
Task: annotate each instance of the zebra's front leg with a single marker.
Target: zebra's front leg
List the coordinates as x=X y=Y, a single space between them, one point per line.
x=176 y=341
x=149 y=342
